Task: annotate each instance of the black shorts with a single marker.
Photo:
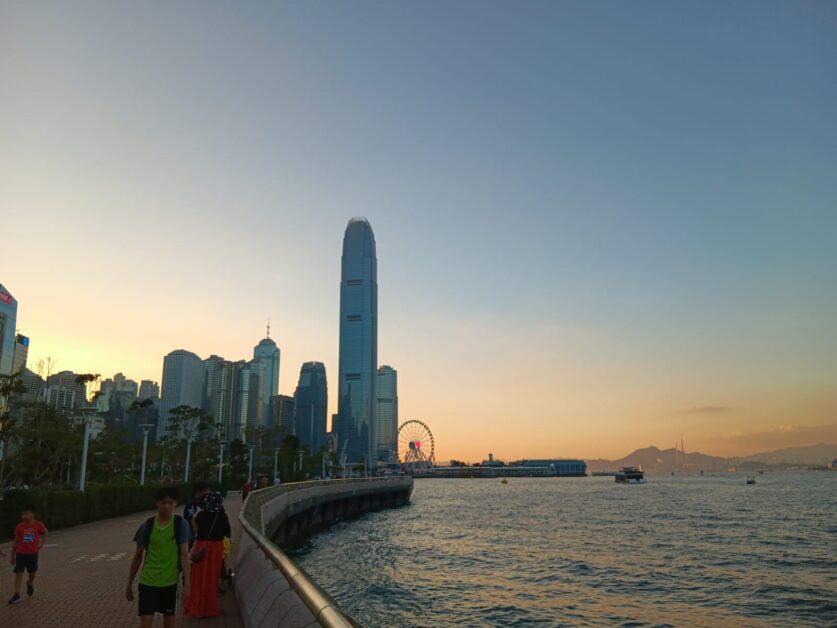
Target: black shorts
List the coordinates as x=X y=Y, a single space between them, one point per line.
x=161 y=600
x=26 y=562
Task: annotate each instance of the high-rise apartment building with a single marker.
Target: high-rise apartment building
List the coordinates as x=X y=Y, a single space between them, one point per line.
x=63 y=393
x=387 y=414
x=311 y=406
x=356 y=426
x=249 y=401
x=182 y=384
x=8 y=318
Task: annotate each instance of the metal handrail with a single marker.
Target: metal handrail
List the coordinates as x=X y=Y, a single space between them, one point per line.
x=320 y=603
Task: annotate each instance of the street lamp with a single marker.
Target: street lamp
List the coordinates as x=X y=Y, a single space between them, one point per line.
x=221 y=462
x=83 y=473
x=275 y=463
x=300 y=464
x=189 y=440
x=146 y=428
x=250 y=449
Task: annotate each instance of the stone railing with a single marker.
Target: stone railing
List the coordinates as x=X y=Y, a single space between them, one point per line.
x=271 y=589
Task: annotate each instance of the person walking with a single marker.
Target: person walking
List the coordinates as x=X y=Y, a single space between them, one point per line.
x=211 y=526
x=162 y=541
x=30 y=536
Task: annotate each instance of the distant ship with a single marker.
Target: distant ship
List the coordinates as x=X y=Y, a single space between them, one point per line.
x=630 y=475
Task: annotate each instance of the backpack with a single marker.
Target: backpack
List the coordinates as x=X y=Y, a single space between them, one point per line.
x=178 y=524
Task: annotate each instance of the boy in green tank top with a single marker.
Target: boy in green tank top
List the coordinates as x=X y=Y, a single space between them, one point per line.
x=163 y=540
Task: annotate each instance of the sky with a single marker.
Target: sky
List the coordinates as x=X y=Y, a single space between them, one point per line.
x=599 y=225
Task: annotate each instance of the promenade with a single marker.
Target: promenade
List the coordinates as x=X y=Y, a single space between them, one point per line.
x=81 y=582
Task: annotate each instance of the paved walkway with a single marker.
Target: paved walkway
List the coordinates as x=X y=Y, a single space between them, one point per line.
x=81 y=582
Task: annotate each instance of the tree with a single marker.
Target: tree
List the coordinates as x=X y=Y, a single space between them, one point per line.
x=187 y=423
x=11 y=388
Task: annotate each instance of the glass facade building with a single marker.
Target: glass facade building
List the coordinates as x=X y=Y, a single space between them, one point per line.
x=182 y=385
x=8 y=317
x=356 y=427
x=219 y=393
x=311 y=406
x=267 y=354
x=387 y=414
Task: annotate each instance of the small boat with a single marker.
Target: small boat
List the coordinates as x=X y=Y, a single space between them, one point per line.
x=751 y=480
x=630 y=475
x=504 y=481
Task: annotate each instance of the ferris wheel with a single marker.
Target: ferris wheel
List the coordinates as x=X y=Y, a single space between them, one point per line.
x=415 y=446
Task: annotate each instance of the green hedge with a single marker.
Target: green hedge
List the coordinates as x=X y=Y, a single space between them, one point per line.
x=62 y=508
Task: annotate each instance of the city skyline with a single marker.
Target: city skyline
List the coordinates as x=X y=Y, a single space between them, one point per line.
x=579 y=259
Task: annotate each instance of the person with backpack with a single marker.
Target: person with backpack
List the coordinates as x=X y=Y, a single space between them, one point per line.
x=211 y=527
x=163 y=554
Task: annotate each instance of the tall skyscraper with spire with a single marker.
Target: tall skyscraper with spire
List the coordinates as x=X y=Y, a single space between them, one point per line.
x=356 y=425
x=268 y=355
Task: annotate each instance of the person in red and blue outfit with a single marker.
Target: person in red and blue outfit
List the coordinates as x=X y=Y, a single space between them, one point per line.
x=30 y=536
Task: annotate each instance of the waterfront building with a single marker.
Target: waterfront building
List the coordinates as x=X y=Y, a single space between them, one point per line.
x=387 y=414
x=311 y=406
x=268 y=355
x=21 y=353
x=182 y=384
x=281 y=417
x=8 y=318
x=558 y=466
x=356 y=427
x=63 y=393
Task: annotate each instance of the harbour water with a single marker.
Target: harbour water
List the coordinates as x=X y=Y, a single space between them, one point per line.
x=677 y=551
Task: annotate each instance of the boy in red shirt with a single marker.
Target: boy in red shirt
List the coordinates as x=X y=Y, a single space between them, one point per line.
x=30 y=536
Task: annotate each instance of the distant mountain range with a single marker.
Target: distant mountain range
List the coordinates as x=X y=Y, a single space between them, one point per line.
x=655 y=460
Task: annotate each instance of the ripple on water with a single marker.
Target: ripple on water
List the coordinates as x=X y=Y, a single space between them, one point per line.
x=549 y=552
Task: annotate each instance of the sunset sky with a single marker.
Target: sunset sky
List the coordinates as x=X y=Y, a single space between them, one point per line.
x=600 y=225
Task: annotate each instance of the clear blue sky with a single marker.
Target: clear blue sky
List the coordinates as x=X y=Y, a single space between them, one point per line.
x=594 y=219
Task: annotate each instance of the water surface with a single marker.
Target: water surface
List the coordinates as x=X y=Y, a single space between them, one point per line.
x=693 y=551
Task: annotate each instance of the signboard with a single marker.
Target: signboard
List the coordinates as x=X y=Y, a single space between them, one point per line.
x=5 y=297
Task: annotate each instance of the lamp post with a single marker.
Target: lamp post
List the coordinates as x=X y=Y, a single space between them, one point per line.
x=275 y=463
x=300 y=464
x=221 y=463
x=146 y=428
x=323 y=474
x=250 y=449
x=83 y=473
x=188 y=456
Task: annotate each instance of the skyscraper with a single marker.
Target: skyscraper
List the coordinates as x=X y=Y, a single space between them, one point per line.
x=219 y=393
x=267 y=354
x=148 y=390
x=311 y=406
x=387 y=414
x=249 y=401
x=8 y=318
x=182 y=384
x=63 y=393
x=281 y=418
x=21 y=353
x=356 y=426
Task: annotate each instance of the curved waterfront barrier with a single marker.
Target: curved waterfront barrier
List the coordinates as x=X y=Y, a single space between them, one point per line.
x=270 y=588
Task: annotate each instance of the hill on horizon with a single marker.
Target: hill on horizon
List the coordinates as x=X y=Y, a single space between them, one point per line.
x=655 y=460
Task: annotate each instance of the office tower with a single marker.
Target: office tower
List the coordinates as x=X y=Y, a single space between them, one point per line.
x=311 y=406
x=34 y=383
x=219 y=393
x=21 y=353
x=63 y=392
x=356 y=429
x=148 y=390
x=268 y=354
x=387 y=414
x=249 y=401
x=282 y=415
x=8 y=318
x=182 y=385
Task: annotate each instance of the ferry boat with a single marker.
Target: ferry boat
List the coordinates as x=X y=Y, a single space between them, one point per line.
x=630 y=475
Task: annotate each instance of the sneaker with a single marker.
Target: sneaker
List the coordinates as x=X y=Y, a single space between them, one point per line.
x=15 y=599
x=30 y=589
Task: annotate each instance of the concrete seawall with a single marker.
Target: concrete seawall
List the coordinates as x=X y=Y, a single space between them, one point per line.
x=270 y=588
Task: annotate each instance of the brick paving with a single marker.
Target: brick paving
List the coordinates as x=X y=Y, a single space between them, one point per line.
x=81 y=582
